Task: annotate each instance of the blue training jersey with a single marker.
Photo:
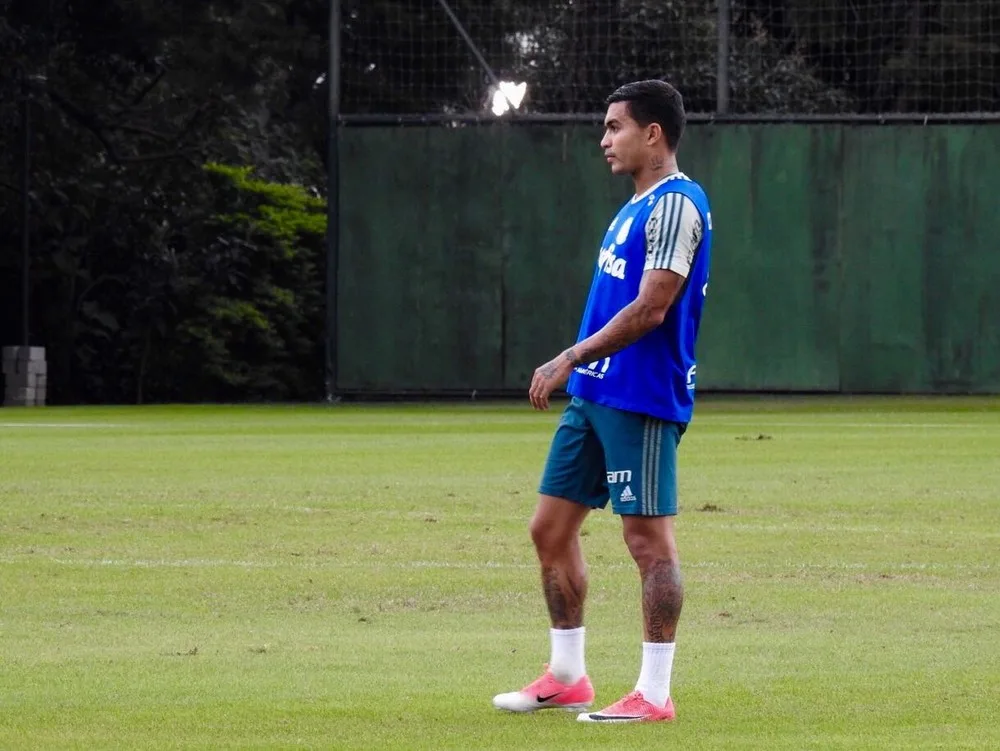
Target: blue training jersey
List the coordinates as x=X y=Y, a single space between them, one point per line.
x=667 y=227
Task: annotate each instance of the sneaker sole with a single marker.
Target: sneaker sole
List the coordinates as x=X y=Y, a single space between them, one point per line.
x=563 y=707
x=587 y=718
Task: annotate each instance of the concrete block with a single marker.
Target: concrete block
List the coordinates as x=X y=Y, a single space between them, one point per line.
x=34 y=367
x=21 y=380
x=19 y=393
x=25 y=376
x=25 y=354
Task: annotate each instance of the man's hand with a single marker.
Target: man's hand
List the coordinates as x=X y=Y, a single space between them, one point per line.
x=549 y=377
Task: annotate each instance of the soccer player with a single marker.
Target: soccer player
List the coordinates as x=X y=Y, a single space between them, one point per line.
x=631 y=376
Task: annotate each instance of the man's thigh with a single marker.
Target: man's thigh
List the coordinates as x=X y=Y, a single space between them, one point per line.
x=641 y=457
x=575 y=467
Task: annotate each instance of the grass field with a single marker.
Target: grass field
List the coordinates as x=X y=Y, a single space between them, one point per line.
x=360 y=577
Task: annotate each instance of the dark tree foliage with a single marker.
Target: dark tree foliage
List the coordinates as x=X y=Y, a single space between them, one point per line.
x=155 y=277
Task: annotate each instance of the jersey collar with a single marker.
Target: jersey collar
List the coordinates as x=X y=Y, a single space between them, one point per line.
x=672 y=176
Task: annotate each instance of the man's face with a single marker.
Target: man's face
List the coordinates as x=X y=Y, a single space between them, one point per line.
x=624 y=141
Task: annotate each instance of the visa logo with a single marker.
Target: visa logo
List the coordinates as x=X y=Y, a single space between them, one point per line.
x=611 y=264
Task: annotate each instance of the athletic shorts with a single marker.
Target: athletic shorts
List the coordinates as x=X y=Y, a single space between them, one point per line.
x=600 y=453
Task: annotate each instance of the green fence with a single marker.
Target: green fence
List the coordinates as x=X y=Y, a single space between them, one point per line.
x=846 y=257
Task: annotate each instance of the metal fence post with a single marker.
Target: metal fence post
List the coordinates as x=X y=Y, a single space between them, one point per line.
x=333 y=201
x=722 y=60
x=25 y=214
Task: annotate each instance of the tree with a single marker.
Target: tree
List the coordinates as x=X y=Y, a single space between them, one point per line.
x=130 y=100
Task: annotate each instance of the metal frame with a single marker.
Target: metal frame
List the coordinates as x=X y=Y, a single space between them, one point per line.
x=596 y=118
x=722 y=60
x=334 y=122
x=25 y=214
x=721 y=116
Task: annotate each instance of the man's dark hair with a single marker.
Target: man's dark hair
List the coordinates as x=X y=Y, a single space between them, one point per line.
x=654 y=101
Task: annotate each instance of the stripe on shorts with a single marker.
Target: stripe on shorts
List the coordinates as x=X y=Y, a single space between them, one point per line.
x=657 y=445
x=645 y=464
x=652 y=441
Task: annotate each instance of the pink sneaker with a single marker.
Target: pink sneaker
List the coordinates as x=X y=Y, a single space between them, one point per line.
x=632 y=708
x=548 y=693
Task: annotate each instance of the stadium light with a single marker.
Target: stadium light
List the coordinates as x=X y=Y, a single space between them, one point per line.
x=507 y=96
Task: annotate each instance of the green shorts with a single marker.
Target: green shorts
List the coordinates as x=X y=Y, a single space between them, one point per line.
x=599 y=453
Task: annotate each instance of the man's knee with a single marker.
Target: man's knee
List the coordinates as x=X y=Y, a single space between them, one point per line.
x=555 y=526
x=650 y=540
x=540 y=535
x=549 y=539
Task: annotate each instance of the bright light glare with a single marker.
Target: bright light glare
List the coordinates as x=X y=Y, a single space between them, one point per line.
x=508 y=95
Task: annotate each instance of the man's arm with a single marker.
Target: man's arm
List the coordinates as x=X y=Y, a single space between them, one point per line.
x=657 y=292
x=673 y=232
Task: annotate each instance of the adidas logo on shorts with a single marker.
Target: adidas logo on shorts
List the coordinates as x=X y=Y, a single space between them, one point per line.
x=627 y=495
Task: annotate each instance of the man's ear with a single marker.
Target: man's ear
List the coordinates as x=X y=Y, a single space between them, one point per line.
x=654 y=133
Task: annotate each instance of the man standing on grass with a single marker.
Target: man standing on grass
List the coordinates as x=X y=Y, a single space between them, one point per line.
x=631 y=376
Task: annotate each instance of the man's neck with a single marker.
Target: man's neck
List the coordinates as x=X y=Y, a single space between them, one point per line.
x=655 y=169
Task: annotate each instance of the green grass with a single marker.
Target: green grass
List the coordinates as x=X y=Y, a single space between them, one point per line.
x=360 y=577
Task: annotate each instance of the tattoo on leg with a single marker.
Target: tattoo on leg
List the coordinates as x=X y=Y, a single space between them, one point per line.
x=662 y=597
x=564 y=596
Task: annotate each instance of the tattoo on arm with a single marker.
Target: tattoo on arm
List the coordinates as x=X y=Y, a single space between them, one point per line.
x=631 y=323
x=628 y=326
x=549 y=371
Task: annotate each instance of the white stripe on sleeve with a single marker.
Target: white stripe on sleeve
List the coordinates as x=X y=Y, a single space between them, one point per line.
x=673 y=232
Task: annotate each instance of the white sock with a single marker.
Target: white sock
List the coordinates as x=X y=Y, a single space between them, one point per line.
x=566 y=662
x=654 y=678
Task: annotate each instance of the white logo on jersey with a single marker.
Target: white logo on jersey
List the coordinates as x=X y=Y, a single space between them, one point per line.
x=623 y=232
x=692 y=372
x=592 y=371
x=611 y=264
